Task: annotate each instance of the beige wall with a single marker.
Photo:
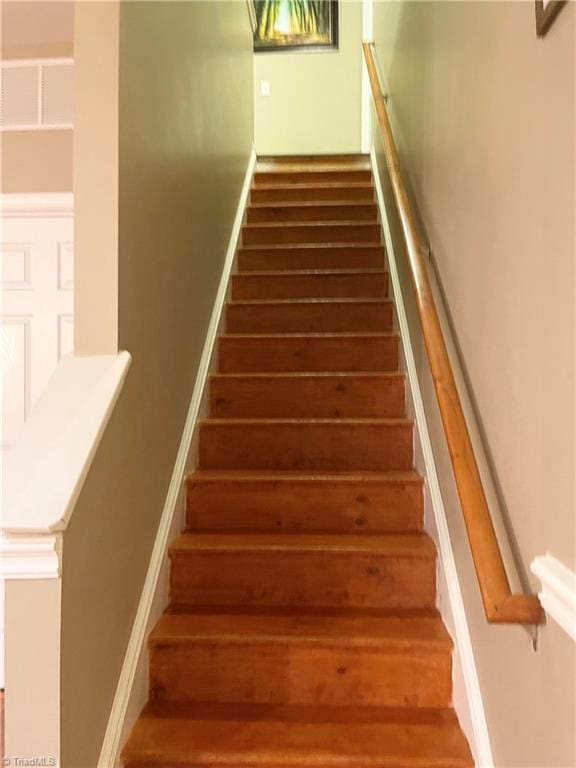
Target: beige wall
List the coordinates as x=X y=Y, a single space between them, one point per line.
x=185 y=138
x=36 y=161
x=36 y=50
x=31 y=668
x=485 y=117
x=314 y=102
x=33 y=29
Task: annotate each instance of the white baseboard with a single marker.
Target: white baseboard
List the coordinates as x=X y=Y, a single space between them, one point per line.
x=467 y=692
x=558 y=593
x=132 y=688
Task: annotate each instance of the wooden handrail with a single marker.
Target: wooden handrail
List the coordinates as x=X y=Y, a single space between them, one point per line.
x=500 y=605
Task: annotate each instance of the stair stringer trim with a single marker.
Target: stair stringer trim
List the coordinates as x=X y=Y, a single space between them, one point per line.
x=132 y=688
x=468 y=701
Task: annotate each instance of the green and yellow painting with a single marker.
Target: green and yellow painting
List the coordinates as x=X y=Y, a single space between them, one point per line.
x=285 y=24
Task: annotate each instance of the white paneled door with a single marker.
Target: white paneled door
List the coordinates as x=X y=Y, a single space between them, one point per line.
x=37 y=277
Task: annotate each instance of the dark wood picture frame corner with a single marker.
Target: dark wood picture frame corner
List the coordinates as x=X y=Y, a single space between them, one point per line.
x=545 y=15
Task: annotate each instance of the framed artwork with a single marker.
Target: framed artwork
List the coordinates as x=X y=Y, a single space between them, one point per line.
x=283 y=25
x=546 y=12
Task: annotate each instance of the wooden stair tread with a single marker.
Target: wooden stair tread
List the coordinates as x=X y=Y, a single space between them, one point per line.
x=387 y=375
x=249 y=476
x=313 y=224
x=339 y=166
x=390 y=630
x=308 y=302
x=312 y=204
x=313 y=335
x=345 y=272
x=416 y=545
x=319 y=185
x=302 y=713
x=233 y=736
x=314 y=246
x=385 y=422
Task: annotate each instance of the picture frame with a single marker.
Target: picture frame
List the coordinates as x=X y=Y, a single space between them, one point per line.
x=546 y=13
x=251 y=14
x=291 y=25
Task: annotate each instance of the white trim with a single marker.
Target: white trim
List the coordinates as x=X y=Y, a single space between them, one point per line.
x=25 y=127
x=367 y=21
x=13 y=63
x=481 y=739
x=30 y=557
x=40 y=105
x=36 y=205
x=135 y=652
x=49 y=463
x=367 y=36
x=558 y=594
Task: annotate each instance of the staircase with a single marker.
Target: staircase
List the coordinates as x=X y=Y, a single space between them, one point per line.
x=302 y=628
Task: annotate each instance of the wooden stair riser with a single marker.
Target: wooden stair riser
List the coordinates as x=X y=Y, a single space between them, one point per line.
x=311 y=177
x=320 y=212
x=311 y=257
x=307 y=396
x=263 y=672
x=280 y=285
x=270 y=234
x=306 y=445
x=347 y=160
x=293 y=504
x=361 y=192
x=309 y=316
x=308 y=353
x=301 y=579
x=267 y=736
